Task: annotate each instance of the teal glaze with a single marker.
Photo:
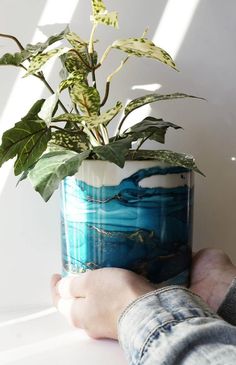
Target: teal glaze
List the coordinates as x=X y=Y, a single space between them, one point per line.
x=147 y=230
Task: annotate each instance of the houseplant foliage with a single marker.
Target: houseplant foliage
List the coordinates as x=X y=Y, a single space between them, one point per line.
x=51 y=140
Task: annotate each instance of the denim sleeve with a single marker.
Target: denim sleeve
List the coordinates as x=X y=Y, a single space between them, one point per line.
x=173 y=326
x=227 y=309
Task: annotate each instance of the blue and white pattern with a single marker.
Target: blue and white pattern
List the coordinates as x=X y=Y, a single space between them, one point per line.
x=129 y=224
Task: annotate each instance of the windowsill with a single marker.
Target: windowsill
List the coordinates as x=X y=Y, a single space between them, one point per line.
x=44 y=337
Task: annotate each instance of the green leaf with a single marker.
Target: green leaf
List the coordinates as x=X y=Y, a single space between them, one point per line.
x=115 y=152
x=27 y=140
x=151 y=128
x=52 y=168
x=34 y=49
x=78 y=141
x=169 y=157
x=34 y=110
x=101 y=15
x=38 y=61
x=14 y=59
x=151 y=98
x=142 y=47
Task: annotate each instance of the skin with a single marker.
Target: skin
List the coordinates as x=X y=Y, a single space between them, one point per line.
x=95 y=300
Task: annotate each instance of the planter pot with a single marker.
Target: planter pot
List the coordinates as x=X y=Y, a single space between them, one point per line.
x=137 y=218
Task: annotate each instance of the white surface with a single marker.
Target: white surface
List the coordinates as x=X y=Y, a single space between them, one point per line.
x=99 y=173
x=26 y=340
x=205 y=53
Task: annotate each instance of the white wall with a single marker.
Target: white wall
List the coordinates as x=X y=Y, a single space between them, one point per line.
x=201 y=35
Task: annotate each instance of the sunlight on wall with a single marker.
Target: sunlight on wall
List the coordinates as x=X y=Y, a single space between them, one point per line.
x=53 y=12
x=174 y=25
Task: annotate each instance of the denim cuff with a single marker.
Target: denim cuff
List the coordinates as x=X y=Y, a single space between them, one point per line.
x=227 y=309
x=148 y=314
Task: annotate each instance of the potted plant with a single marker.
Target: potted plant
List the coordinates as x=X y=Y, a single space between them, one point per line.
x=121 y=205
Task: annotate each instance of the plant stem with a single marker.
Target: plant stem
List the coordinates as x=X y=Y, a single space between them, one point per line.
x=104 y=56
x=90 y=47
x=117 y=69
x=14 y=39
x=143 y=140
x=106 y=94
x=81 y=59
x=42 y=78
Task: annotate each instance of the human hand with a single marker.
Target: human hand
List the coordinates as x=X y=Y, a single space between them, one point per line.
x=94 y=300
x=211 y=274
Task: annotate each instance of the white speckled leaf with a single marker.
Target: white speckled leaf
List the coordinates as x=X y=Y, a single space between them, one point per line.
x=106 y=117
x=98 y=7
x=34 y=49
x=143 y=47
x=151 y=98
x=106 y=18
x=39 y=61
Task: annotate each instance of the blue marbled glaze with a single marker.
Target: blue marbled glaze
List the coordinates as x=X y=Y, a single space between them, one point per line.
x=147 y=230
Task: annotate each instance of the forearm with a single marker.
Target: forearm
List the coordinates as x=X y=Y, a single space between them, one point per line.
x=174 y=326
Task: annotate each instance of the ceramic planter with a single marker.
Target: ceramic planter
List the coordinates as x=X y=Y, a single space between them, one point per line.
x=138 y=217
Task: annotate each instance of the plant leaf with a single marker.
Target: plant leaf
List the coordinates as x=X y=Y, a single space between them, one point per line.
x=153 y=128
x=169 y=157
x=106 y=18
x=78 y=141
x=34 y=49
x=14 y=59
x=40 y=59
x=48 y=108
x=86 y=97
x=106 y=117
x=151 y=98
x=27 y=140
x=68 y=117
x=101 y=15
x=115 y=152
x=143 y=47
x=98 y=7
x=52 y=168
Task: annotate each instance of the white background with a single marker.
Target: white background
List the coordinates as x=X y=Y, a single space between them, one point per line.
x=201 y=37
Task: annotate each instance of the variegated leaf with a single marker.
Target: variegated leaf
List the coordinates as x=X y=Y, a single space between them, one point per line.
x=115 y=152
x=98 y=7
x=106 y=18
x=75 y=40
x=52 y=168
x=14 y=59
x=151 y=98
x=34 y=49
x=86 y=97
x=69 y=117
x=102 y=16
x=106 y=117
x=143 y=47
x=169 y=157
x=75 y=141
x=39 y=61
